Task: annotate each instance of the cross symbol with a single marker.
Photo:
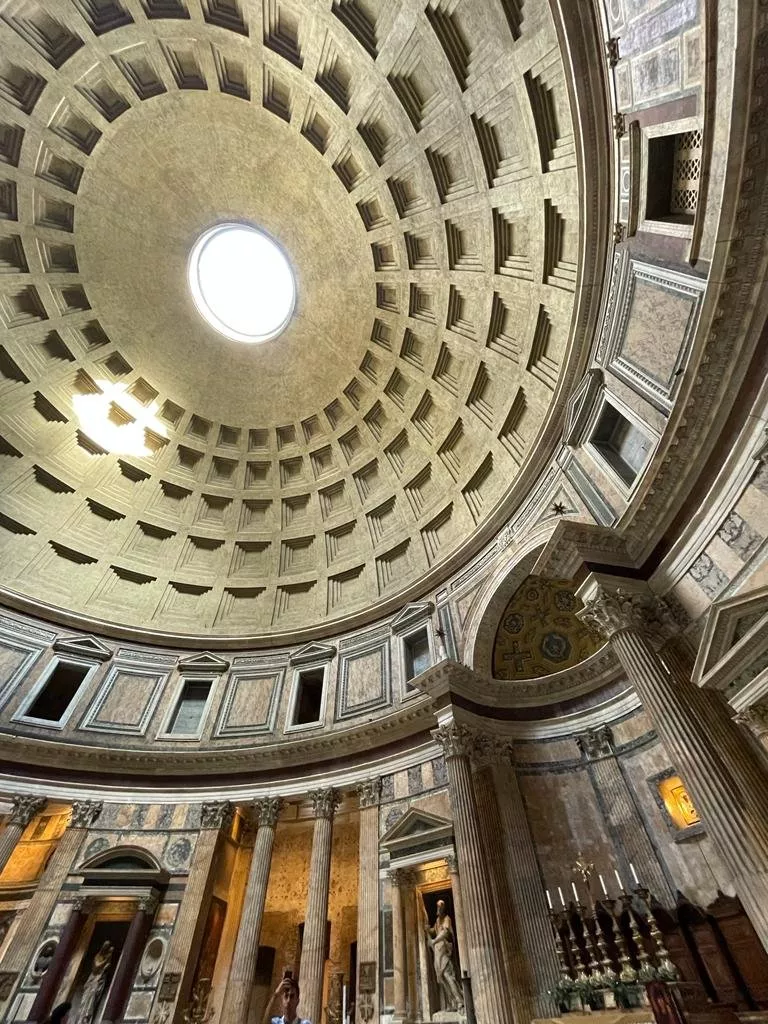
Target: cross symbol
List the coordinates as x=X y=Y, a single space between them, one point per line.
x=517 y=656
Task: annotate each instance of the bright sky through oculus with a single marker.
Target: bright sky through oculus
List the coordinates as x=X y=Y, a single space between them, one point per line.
x=242 y=283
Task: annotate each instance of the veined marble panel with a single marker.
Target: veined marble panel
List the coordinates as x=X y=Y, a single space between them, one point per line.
x=251 y=701
x=365 y=681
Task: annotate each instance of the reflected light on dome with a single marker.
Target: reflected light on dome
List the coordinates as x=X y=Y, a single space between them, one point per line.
x=241 y=282
x=116 y=421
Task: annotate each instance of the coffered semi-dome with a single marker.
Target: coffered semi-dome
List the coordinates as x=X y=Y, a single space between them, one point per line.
x=420 y=171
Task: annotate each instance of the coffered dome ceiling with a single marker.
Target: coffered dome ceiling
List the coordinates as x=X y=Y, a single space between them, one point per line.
x=417 y=163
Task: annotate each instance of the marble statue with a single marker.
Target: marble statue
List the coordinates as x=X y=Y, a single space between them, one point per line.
x=93 y=989
x=440 y=939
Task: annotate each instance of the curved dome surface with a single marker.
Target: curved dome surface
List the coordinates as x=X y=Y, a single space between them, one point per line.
x=420 y=172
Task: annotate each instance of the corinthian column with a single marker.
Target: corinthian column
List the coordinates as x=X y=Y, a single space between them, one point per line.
x=242 y=971
x=725 y=776
x=82 y=816
x=367 y=1002
x=325 y=802
x=24 y=810
x=215 y=820
x=490 y=986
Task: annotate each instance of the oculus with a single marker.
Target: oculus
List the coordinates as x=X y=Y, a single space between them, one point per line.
x=241 y=282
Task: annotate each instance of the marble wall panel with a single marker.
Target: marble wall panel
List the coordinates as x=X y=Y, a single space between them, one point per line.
x=364 y=681
x=250 y=702
x=126 y=701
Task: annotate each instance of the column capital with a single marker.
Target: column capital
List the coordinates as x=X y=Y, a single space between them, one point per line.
x=610 y=608
x=82 y=904
x=456 y=739
x=596 y=743
x=266 y=811
x=216 y=814
x=491 y=750
x=25 y=808
x=148 y=904
x=369 y=792
x=84 y=813
x=453 y=864
x=325 y=802
x=754 y=718
x=402 y=878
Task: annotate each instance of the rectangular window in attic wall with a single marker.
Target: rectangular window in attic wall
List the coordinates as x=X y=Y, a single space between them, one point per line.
x=188 y=714
x=308 y=704
x=58 y=693
x=416 y=653
x=623 y=445
x=674 y=169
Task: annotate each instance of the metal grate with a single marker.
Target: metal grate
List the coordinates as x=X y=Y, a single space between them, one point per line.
x=686 y=173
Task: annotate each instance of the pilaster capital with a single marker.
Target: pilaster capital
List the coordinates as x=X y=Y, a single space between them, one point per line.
x=266 y=811
x=84 y=813
x=453 y=864
x=611 y=610
x=216 y=814
x=754 y=718
x=25 y=808
x=82 y=904
x=491 y=750
x=402 y=878
x=369 y=792
x=456 y=739
x=148 y=904
x=596 y=743
x=325 y=802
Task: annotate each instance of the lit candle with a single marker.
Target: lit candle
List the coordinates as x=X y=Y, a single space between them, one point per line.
x=575 y=893
x=602 y=885
x=560 y=894
x=618 y=879
x=549 y=899
x=635 y=879
x=343 y=1004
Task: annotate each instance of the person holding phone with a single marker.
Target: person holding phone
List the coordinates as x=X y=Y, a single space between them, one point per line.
x=287 y=992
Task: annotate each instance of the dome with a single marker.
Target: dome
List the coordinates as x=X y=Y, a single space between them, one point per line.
x=426 y=194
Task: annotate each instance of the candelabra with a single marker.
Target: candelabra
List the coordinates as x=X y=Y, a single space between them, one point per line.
x=665 y=969
x=627 y=974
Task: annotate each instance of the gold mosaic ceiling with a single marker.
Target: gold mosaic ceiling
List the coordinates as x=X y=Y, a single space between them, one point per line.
x=417 y=162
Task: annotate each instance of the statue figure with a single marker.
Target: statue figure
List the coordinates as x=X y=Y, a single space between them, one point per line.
x=440 y=940
x=95 y=983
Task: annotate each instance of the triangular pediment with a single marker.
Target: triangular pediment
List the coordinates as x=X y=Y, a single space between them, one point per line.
x=735 y=633
x=83 y=647
x=412 y=615
x=313 y=653
x=415 y=826
x=205 y=662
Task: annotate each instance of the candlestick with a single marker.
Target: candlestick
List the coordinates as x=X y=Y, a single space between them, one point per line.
x=602 y=885
x=343 y=1004
x=575 y=893
x=635 y=879
x=549 y=899
x=560 y=894
x=618 y=879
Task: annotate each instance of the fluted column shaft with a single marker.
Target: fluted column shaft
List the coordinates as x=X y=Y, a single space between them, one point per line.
x=24 y=810
x=726 y=779
x=313 y=947
x=524 y=884
x=242 y=971
x=399 y=949
x=490 y=987
x=34 y=919
x=130 y=955
x=368 y=892
x=518 y=971
x=49 y=985
x=195 y=905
